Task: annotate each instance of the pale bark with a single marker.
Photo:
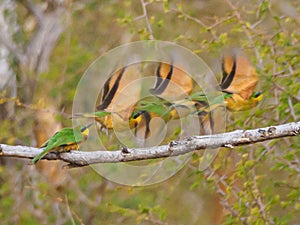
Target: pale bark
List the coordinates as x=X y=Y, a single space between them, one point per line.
x=8 y=28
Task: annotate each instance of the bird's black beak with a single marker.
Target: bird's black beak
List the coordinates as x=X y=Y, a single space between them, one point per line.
x=86 y=127
x=89 y=125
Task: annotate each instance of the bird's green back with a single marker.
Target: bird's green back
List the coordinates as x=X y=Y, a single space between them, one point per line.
x=101 y=114
x=64 y=137
x=155 y=105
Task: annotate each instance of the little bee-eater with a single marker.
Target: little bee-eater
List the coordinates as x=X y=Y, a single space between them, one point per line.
x=117 y=101
x=239 y=81
x=64 y=140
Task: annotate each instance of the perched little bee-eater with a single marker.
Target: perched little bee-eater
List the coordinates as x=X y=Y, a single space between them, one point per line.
x=64 y=140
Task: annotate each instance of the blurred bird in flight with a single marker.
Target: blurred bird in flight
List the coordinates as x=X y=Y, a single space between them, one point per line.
x=172 y=98
x=117 y=102
x=238 y=83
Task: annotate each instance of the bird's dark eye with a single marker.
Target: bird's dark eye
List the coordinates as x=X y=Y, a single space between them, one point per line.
x=82 y=128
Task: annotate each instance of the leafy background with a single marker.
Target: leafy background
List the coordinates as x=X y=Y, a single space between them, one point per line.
x=255 y=184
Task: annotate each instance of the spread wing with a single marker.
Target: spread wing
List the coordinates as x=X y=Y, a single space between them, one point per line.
x=116 y=97
x=172 y=83
x=239 y=75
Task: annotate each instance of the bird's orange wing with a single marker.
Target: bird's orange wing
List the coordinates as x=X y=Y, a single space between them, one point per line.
x=239 y=75
x=172 y=83
x=116 y=97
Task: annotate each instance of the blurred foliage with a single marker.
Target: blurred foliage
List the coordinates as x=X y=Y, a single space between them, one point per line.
x=262 y=186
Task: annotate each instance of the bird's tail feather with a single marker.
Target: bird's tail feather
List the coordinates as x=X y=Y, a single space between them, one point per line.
x=39 y=156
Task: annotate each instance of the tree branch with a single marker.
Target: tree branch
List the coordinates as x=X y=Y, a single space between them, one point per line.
x=149 y=28
x=175 y=148
x=8 y=29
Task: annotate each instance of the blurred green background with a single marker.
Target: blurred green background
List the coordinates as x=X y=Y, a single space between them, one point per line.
x=254 y=184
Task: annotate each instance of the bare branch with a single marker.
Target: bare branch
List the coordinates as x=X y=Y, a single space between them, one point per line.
x=11 y=46
x=51 y=25
x=34 y=107
x=198 y=21
x=7 y=31
x=175 y=148
x=33 y=8
x=149 y=28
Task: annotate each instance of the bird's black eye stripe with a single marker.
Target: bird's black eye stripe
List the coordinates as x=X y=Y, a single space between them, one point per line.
x=257 y=94
x=136 y=115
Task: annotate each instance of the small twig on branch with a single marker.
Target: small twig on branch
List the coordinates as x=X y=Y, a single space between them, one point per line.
x=175 y=148
x=149 y=28
x=35 y=107
x=36 y=11
x=196 y=20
